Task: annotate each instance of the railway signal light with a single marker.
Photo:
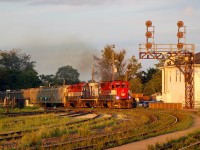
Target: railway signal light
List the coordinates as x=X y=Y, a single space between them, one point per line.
x=180 y=24
x=149 y=34
x=148 y=45
x=180 y=45
x=180 y=34
x=148 y=23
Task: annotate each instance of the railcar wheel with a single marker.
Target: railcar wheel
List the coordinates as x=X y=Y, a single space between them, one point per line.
x=67 y=105
x=110 y=105
x=72 y=104
x=96 y=104
x=129 y=105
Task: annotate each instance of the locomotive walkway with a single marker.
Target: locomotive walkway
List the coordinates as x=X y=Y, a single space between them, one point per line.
x=143 y=145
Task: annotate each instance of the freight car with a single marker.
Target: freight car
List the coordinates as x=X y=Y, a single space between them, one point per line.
x=36 y=96
x=113 y=94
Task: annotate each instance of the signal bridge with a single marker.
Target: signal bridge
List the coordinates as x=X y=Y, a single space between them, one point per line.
x=180 y=55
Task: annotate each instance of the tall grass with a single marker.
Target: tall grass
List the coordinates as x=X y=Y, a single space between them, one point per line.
x=135 y=121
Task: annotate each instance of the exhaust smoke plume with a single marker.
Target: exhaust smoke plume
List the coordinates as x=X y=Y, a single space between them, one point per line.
x=50 y=56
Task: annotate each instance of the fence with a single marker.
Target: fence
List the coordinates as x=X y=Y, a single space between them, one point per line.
x=166 y=105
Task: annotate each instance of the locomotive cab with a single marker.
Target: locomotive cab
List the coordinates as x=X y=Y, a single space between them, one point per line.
x=90 y=90
x=115 y=94
x=90 y=93
x=83 y=95
x=120 y=89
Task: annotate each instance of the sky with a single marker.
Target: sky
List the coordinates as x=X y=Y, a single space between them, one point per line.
x=56 y=33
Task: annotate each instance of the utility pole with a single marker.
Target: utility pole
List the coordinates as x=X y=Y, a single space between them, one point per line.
x=113 y=63
x=126 y=75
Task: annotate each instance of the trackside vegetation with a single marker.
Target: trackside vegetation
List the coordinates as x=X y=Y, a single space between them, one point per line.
x=112 y=128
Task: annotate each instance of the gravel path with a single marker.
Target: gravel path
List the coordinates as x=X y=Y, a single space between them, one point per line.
x=143 y=145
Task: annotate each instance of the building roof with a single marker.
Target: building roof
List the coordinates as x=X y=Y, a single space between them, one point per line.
x=197 y=58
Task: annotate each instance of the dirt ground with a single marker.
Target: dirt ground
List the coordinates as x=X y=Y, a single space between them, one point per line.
x=143 y=145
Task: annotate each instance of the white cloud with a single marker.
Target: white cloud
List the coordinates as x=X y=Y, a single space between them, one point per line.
x=67 y=2
x=189 y=10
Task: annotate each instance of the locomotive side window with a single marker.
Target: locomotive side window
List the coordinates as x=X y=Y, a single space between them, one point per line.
x=124 y=85
x=96 y=86
x=102 y=85
x=117 y=86
x=113 y=86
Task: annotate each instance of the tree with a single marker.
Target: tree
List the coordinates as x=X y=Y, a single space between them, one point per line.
x=154 y=85
x=135 y=85
x=47 y=80
x=67 y=74
x=17 y=70
x=110 y=58
x=133 y=68
x=105 y=64
x=15 y=60
x=147 y=76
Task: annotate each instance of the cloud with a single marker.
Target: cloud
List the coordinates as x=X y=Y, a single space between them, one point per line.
x=71 y=2
x=61 y=2
x=189 y=10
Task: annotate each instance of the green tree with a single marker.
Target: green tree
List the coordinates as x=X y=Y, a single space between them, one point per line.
x=17 y=70
x=105 y=63
x=15 y=60
x=47 y=80
x=67 y=75
x=135 y=85
x=109 y=58
x=133 y=68
x=154 y=85
x=147 y=76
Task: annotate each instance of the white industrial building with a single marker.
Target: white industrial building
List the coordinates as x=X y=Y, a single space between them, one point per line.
x=173 y=84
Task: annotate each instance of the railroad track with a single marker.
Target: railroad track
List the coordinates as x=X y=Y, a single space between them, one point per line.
x=102 y=135
x=76 y=114
x=192 y=145
x=188 y=147
x=154 y=119
x=19 y=134
x=46 y=111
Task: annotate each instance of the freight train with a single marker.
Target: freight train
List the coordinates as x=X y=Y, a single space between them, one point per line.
x=114 y=94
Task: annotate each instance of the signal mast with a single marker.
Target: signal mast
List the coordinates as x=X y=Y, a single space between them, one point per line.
x=180 y=55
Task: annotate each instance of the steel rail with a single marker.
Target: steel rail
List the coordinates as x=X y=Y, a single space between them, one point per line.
x=19 y=134
x=114 y=133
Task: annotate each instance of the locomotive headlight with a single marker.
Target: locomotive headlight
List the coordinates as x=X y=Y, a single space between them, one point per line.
x=129 y=97
x=117 y=97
